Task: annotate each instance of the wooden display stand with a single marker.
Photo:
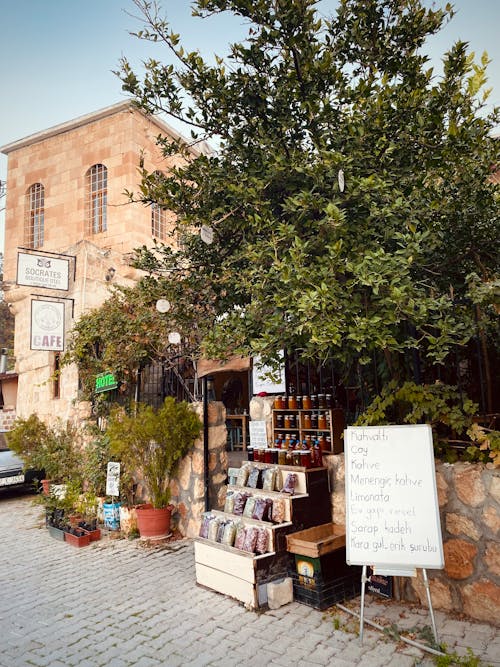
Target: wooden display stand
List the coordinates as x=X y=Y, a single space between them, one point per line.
x=244 y=576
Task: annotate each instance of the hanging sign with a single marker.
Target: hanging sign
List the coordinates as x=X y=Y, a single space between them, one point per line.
x=392 y=512
x=42 y=271
x=47 y=325
x=113 y=479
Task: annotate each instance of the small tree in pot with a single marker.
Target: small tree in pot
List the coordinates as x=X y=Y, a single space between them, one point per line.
x=150 y=443
x=49 y=449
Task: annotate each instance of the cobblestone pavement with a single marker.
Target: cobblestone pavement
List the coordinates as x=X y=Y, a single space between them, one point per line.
x=116 y=603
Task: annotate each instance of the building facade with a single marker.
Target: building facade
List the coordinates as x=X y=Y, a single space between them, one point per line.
x=66 y=206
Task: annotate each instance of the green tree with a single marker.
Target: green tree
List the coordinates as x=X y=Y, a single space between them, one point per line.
x=297 y=261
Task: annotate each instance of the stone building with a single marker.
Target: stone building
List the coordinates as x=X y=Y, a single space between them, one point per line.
x=69 y=232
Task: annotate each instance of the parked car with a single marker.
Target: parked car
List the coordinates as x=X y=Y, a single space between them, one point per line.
x=11 y=468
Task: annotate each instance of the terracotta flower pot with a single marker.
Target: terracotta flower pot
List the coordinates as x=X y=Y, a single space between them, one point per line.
x=153 y=523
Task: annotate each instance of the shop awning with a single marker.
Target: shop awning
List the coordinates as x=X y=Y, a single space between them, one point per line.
x=212 y=366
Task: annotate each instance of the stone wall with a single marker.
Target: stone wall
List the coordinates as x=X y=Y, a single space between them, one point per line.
x=469 y=504
x=7 y=418
x=188 y=489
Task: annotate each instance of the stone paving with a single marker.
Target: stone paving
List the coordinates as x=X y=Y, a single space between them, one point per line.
x=117 y=603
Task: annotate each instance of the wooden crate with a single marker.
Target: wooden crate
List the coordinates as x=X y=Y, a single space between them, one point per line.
x=316 y=541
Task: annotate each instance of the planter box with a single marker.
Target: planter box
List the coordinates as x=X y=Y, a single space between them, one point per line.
x=94 y=535
x=56 y=533
x=80 y=540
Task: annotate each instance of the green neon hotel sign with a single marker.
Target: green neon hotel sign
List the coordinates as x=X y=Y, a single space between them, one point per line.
x=105 y=382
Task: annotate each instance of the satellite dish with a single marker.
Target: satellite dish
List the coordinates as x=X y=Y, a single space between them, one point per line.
x=207 y=234
x=162 y=306
x=341 y=180
x=174 y=337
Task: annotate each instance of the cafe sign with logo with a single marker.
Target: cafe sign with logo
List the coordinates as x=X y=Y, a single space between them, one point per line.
x=47 y=326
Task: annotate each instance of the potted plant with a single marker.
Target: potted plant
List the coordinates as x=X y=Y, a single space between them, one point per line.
x=150 y=443
x=50 y=449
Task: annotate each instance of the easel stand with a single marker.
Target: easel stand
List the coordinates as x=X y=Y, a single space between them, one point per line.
x=395 y=573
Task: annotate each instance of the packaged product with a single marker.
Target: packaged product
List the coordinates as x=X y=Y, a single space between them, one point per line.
x=206 y=518
x=220 y=531
x=253 y=478
x=262 y=544
x=260 y=509
x=249 y=507
x=268 y=479
x=290 y=483
x=213 y=529
x=229 y=504
x=240 y=535
x=229 y=534
x=243 y=473
x=250 y=542
x=239 y=503
x=278 y=480
x=278 y=511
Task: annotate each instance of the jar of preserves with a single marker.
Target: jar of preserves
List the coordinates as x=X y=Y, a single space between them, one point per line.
x=250 y=453
x=256 y=454
x=296 y=457
x=321 y=401
x=279 y=420
x=286 y=421
x=282 y=457
x=314 y=401
x=305 y=459
x=306 y=403
x=317 y=458
x=293 y=420
x=306 y=421
x=299 y=402
x=268 y=456
x=314 y=420
x=322 y=421
x=329 y=400
x=274 y=455
x=292 y=402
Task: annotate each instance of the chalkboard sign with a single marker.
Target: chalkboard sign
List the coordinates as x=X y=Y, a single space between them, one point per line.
x=392 y=513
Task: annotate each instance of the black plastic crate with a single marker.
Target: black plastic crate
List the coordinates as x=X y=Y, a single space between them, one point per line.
x=320 y=594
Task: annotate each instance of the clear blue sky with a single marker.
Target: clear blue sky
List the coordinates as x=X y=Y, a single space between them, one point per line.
x=57 y=56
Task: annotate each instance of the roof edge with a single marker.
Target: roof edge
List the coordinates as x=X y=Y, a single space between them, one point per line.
x=127 y=105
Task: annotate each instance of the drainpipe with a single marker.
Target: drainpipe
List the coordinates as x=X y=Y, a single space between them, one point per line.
x=205 y=443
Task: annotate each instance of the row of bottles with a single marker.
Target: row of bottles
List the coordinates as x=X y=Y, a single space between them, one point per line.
x=293 y=452
x=308 y=421
x=313 y=402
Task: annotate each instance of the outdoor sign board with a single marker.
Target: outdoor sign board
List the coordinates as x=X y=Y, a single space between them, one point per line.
x=105 y=382
x=113 y=479
x=47 y=325
x=258 y=433
x=261 y=382
x=392 y=520
x=42 y=271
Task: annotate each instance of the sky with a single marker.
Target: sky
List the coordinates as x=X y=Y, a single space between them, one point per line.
x=57 y=57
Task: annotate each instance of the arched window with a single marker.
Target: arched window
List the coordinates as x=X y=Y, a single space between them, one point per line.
x=35 y=207
x=158 y=216
x=97 y=199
